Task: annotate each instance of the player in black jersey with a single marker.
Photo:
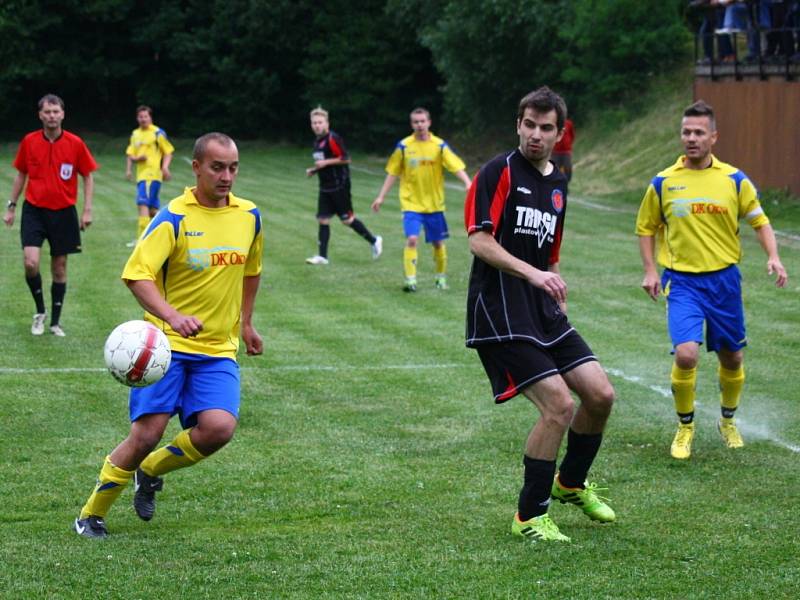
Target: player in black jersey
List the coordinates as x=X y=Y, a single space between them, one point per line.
x=517 y=321
x=331 y=166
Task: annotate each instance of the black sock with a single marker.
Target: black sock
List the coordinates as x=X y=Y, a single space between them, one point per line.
x=581 y=450
x=35 y=285
x=57 y=292
x=362 y=230
x=727 y=413
x=686 y=418
x=324 y=236
x=534 y=497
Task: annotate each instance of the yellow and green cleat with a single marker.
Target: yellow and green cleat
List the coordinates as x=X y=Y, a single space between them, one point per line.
x=682 y=443
x=592 y=505
x=730 y=433
x=537 y=528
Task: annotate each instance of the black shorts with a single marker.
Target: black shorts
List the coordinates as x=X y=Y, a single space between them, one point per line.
x=59 y=227
x=335 y=203
x=512 y=366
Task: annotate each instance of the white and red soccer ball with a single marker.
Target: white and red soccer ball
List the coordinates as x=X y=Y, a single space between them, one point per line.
x=137 y=353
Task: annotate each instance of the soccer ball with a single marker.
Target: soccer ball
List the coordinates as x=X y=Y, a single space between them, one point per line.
x=137 y=353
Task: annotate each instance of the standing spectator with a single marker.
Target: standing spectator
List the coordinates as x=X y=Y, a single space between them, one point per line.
x=50 y=160
x=212 y=279
x=418 y=161
x=331 y=167
x=692 y=209
x=517 y=321
x=152 y=152
x=713 y=19
x=562 y=151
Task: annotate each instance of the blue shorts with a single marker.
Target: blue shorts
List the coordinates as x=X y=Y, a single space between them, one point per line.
x=147 y=194
x=193 y=383
x=435 y=225
x=714 y=298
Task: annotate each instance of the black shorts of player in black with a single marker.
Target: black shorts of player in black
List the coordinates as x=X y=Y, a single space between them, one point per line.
x=335 y=202
x=59 y=227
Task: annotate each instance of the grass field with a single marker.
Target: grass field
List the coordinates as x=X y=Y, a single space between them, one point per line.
x=370 y=461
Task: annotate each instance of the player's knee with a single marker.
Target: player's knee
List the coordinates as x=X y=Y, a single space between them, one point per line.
x=214 y=436
x=560 y=410
x=143 y=441
x=411 y=242
x=31 y=266
x=601 y=401
x=686 y=357
x=349 y=220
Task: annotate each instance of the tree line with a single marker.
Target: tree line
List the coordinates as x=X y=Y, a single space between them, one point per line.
x=254 y=68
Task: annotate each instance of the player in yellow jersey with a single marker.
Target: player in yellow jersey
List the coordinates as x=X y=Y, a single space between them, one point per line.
x=196 y=272
x=418 y=161
x=692 y=211
x=152 y=152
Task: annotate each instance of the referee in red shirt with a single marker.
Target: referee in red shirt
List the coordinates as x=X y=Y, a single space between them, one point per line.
x=50 y=161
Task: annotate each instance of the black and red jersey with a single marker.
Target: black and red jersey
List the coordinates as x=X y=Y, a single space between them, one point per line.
x=524 y=211
x=333 y=178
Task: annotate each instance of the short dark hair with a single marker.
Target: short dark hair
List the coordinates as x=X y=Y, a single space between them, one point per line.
x=202 y=142
x=142 y=107
x=544 y=100
x=50 y=99
x=421 y=111
x=701 y=108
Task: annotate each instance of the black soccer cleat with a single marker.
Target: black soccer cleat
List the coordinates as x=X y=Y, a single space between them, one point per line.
x=91 y=527
x=144 y=500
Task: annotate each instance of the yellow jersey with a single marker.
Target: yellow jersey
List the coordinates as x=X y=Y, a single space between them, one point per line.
x=694 y=215
x=152 y=143
x=419 y=166
x=197 y=257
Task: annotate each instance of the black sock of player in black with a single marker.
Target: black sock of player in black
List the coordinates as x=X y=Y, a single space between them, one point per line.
x=324 y=236
x=686 y=418
x=35 y=285
x=57 y=292
x=362 y=230
x=581 y=450
x=534 y=498
x=727 y=413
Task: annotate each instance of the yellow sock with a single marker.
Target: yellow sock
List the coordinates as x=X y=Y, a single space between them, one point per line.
x=179 y=453
x=440 y=259
x=410 y=262
x=110 y=483
x=730 y=387
x=683 y=384
x=143 y=222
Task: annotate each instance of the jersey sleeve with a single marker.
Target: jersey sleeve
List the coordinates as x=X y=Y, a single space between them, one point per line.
x=131 y=149
x=153 y=248
x=555 y=250
x=749 y=204
x=450 y=160
x=650 y=220
x=85 y=163
x=164 y=144
x=394 y=165
x=337 y=146
x=253 y=265
x=21 y=161
x=486 y=198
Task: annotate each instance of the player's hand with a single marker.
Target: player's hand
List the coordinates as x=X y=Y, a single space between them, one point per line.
x=376 y=204
x=310 y=171
x=651 y=285
x=165 y=174
x=252 y=341
x=186 y=325
x=551 y=283
x=86 y=219
x=8 y=218
x=128 y=175
x=775 y=267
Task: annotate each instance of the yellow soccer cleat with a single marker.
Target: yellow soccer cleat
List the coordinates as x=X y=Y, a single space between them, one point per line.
x=730 y=433
x=586 y=498
x=682 y=444
x=537 y=528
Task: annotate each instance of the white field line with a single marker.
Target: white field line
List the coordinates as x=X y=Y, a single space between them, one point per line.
x=752 y=430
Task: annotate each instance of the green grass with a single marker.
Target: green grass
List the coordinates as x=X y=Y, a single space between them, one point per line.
x=370 y=461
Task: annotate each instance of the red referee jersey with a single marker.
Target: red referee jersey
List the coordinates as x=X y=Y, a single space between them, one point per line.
x=52 y=168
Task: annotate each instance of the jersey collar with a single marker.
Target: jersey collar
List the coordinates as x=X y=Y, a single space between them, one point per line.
x=190 y=198
x=679 y=163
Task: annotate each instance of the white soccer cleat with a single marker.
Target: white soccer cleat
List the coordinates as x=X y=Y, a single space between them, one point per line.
x=37 y=327
x=57 y=331
x=377 y=247
x=317 y=260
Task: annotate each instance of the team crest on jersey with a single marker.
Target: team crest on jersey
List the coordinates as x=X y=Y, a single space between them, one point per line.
x=557 y=197
x=66 y=171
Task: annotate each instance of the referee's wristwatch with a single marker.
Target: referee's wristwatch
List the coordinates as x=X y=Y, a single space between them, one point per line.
x=11 y=204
